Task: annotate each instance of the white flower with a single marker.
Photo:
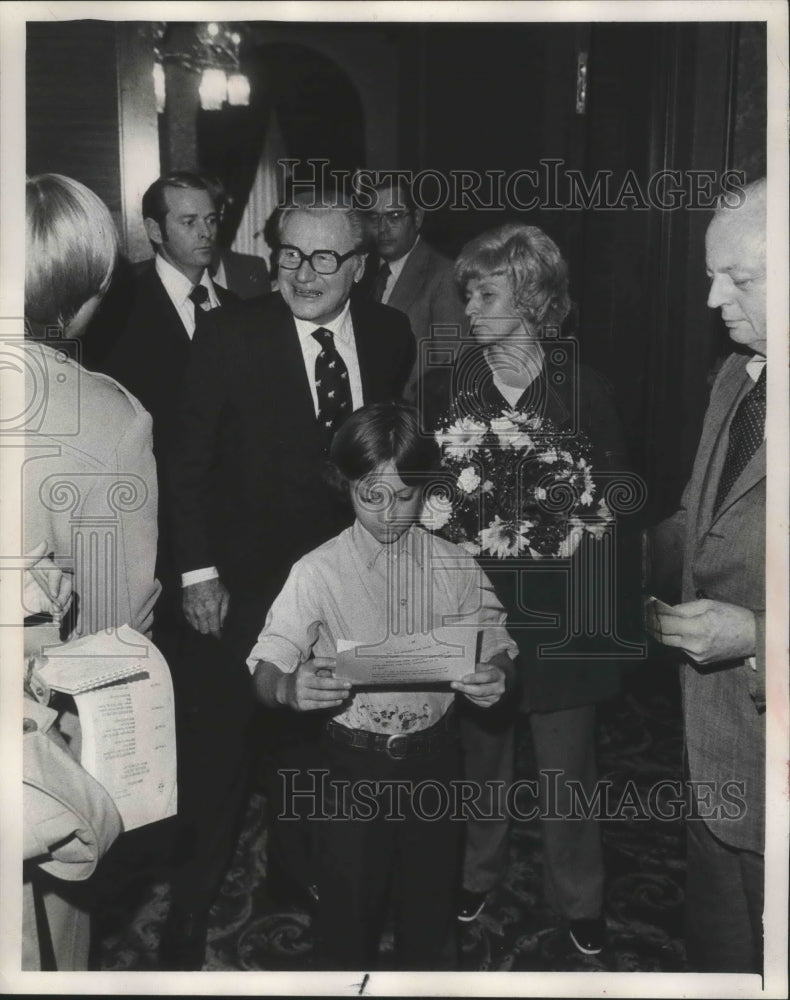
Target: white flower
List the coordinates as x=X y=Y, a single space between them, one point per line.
x=502 y=539
x=571 y=541
x=468 y=480
x=436 y=512
x=462 y=438
x=524 y=528
x=586 y=498
x=505 y=429
x=548 y=456
x=540 y=493
x=523 y=442
x=487 y=486
x=597 y=528
x=532 y=423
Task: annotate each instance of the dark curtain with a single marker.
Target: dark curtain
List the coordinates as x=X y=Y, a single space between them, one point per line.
x=318 y=109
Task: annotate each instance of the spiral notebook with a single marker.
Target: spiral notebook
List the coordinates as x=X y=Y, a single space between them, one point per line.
x=95 y=661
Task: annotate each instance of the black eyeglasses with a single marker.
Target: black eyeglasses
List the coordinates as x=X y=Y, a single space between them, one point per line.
x=392 y=218
x=321 y=261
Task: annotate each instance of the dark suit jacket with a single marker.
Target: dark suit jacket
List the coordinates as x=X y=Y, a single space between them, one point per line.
x=151 y=354
x=149 y=359
x=529 y=588
x=246 y=275
x=426 y=292
x=723 y=558
x=247 y=490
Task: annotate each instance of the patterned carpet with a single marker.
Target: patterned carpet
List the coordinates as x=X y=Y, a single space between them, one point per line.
x=639 y=744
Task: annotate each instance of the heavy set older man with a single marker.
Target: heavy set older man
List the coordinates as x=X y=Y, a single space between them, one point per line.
x=714 y=549
x=267 y=384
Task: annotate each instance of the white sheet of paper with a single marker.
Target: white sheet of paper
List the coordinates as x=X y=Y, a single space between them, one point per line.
x=441 y=656
x=128 y=727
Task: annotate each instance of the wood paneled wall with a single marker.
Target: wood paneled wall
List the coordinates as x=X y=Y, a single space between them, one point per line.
x=91 y=114
x=72 y=105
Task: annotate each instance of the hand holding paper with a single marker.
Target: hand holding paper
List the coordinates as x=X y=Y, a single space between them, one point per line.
x=47 y=589
x=124 y=696
x=313 y=686
x=652 y=608
x=707 y=631
x=484 y=687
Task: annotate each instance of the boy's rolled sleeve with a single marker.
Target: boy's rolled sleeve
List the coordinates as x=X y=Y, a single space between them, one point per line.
x=291 y=627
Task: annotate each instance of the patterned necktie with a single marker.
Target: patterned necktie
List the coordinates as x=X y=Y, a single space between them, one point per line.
x=381 y=282
x=331 y=383
x=199 y=295
x=747 y=430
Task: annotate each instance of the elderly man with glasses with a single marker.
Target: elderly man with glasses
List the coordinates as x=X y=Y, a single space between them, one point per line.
x=268 y=384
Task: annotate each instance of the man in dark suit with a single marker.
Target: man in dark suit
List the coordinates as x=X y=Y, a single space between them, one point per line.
x=246 y=474
x=172 y=296
x=150 y=356
x=714 y=548
x=411 y=275
x=243 y=274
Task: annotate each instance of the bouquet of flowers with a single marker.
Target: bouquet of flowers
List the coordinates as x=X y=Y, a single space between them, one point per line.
x=514 y=484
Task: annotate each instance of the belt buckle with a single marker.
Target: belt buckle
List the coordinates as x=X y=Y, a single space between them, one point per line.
x=389 y=747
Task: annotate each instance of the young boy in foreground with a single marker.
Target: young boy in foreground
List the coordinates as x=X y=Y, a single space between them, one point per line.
x=383 y=575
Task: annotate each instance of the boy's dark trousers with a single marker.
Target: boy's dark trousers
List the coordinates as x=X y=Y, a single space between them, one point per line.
x=396 y=855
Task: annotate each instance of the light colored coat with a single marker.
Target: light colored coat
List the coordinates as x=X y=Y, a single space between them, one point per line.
x=89 y=488
x=722 y=558
x=69 y=824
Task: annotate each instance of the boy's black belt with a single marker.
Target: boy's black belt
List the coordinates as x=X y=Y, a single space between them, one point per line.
x=397 y=745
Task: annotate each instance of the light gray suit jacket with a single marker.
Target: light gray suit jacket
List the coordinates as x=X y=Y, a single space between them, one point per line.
x=426 y=292
x=722 y=557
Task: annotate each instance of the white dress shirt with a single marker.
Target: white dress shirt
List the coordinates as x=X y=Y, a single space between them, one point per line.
x=355 y=587
x=343 y=331
x=178 y=286
x=396 y=266
x=754 y=370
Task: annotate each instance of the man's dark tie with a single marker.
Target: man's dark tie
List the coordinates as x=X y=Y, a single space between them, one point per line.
x=331 y=383
x=747 y=431
x=381 y=282
x=199 y=295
